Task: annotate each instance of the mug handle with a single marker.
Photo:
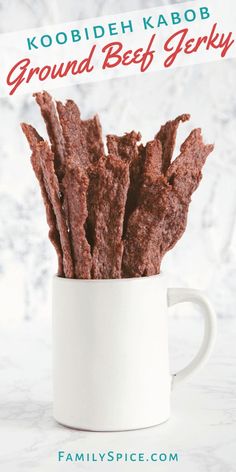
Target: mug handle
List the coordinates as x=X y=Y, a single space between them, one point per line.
x=180 y=295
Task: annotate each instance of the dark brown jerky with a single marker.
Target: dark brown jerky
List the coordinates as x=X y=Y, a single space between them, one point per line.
x=126 y=148
x=75 y=184
x=174 y=223
x=142 y=252
x=92 y=130
x=153 y=160
x=33 y=139
x=54 y=130
x=184 y=173
x=149 y=167
x=167 y=137
x=83 y=138
x=92 y=203
x=52 y=186
x=135 y=175
x=110 y=186
x=152 y=231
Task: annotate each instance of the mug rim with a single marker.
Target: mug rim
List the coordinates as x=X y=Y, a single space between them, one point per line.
x=106 y=281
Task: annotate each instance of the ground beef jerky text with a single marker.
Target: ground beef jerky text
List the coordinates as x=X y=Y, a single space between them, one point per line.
x=113 y=55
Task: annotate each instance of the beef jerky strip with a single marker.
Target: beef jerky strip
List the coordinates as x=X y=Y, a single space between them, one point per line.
x=110 y=193
x=48 y=110
x=83 y=138
x=75 y=184
x=167 y=137
x=174 y=224
x=92 y=205
x=84 y=145
x=92 y=130
x=33 y=139
x=126 y=148
x=159 y=219
x=142 y=255
x=49 y=113
x=52 y=186
x=184 y=174
x=152 y=164
x=142 y=242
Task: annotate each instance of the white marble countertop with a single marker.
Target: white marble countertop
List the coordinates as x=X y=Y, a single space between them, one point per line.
x=201 y=430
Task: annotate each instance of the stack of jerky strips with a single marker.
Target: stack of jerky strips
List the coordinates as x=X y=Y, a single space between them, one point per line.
x=112 y=216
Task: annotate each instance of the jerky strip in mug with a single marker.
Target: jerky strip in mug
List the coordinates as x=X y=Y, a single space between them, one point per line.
x=75 y=184
x=144 y=231
x=174 y=223
x=48 y=110
x=109 y=198
x=126 y=148
x=83 y=138
x=33 y=139
x=52 y=186
x=152 y=164
x=167 y=137
x=184 y=173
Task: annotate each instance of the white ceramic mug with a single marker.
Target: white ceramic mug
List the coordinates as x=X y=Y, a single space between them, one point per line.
x=110 y=351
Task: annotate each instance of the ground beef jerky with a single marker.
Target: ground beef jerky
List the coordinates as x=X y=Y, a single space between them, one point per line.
x=54 y=130
x=113 y=216
x=144 y=231
x=92 y=203
x=126 y=148
x=144 y=225
x=184 y=173
x=173 y=224
x=165 y=225
x=92 y=130
x=152 y=164
x=83 y=138
x=75 y=184
x=52 y=186
x=33 y=139
x=135 y=175
x=110 y=192
x=167 y=137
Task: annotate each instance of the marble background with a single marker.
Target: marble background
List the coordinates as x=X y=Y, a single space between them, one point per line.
x=204 y=258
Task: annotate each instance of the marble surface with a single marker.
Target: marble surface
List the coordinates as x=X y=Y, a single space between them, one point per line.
x=202 y=427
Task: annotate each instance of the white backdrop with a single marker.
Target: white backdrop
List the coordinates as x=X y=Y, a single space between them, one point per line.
x=205 y=256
